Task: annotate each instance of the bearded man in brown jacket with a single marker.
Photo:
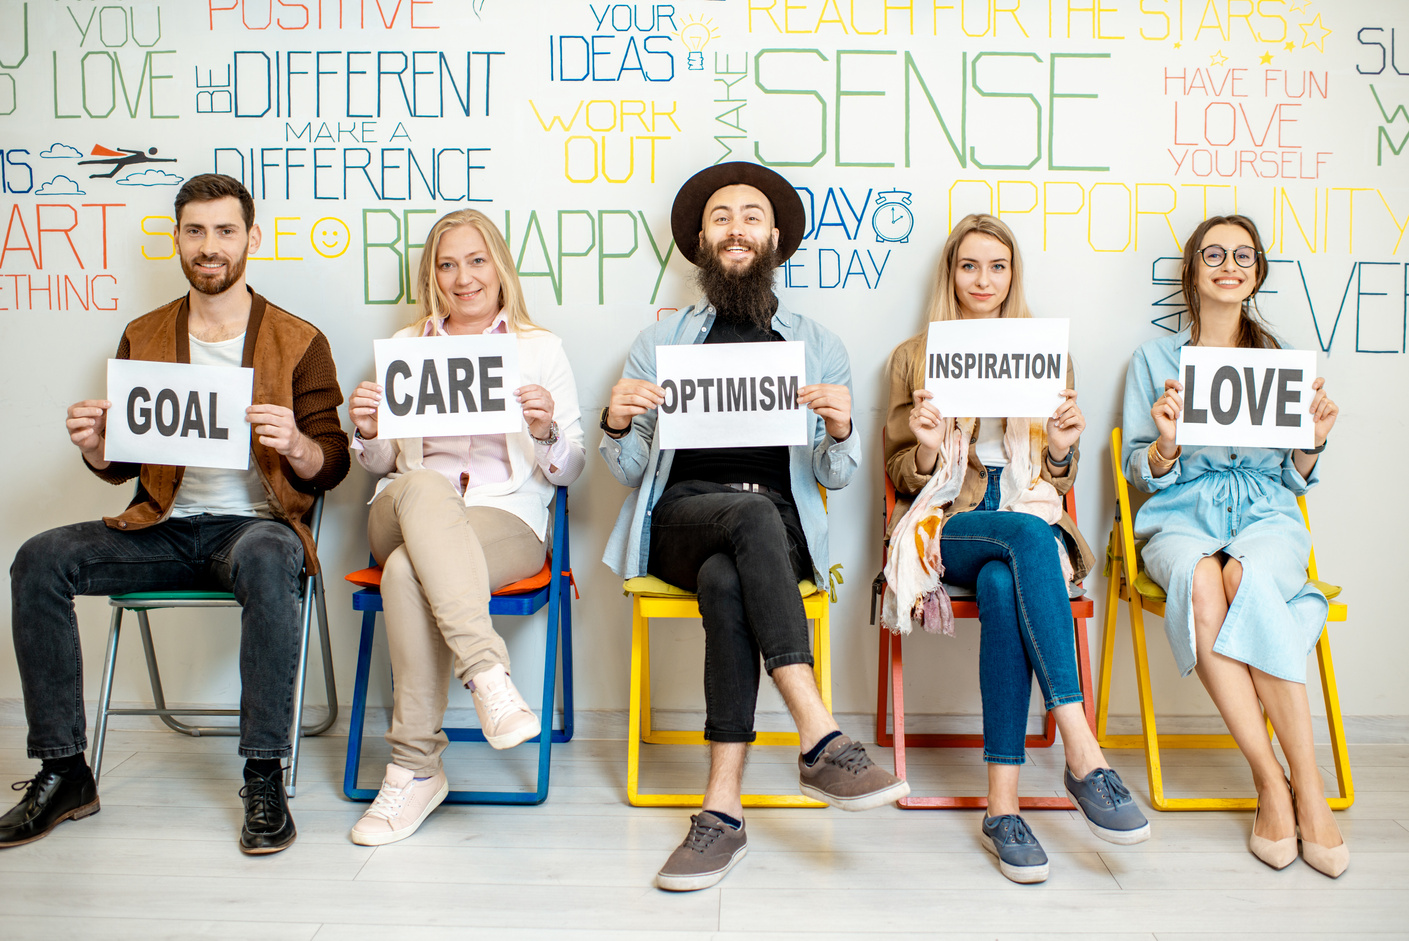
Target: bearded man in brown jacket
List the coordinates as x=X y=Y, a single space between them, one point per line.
x=241 y=531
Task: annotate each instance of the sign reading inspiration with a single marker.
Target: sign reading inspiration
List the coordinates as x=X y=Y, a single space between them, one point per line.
x=998 y=368
x=434 y=386
x=178 y=414
x=1248 y=398
x=731 y=395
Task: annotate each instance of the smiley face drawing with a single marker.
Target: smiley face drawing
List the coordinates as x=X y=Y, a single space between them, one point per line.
x=331 y=237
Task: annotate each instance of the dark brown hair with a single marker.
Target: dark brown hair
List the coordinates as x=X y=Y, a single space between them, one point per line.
x=208 y=187
x=1252 y=330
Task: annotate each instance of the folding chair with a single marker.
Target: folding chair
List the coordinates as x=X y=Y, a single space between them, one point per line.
x=553 y=585
x=1125 y=570
x=653 y=598
x=891 y=678
x=144 y=601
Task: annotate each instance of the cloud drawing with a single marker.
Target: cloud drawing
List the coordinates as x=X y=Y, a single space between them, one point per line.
x=58 y=150
x=150 y=178
x=59 y=186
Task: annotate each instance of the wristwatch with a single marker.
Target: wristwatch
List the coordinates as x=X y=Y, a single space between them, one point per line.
x=552 y=438
x=614 y=432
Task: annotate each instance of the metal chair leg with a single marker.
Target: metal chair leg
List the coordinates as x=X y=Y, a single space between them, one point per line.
x=301 y=674
x=105 y=698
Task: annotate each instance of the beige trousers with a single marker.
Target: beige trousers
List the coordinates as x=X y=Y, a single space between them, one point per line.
x=440 y=560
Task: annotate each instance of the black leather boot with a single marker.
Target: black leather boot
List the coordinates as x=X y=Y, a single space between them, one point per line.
x=268 y=826
x=49 y=799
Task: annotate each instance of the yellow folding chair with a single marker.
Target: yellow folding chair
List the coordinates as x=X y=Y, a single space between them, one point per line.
x=653 y=598
x=1127 y=581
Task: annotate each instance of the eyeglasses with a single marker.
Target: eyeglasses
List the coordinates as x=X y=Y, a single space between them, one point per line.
x=1244 y=255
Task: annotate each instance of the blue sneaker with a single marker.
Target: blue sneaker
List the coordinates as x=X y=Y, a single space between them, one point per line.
x=1108 y=808
x=1020 y=856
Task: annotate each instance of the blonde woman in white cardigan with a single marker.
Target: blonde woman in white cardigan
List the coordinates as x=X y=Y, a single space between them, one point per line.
x=455 y=518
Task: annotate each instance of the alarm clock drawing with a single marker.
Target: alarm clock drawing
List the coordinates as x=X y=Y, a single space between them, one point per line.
x=892 y=221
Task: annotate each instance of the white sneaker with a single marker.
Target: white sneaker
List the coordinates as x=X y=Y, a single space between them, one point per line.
x=400 y=807
x=503 y=714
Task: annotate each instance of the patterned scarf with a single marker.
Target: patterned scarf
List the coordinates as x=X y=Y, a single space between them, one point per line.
x=913 y=566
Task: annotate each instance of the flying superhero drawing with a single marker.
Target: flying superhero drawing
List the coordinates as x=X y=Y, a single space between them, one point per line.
x=121 y=159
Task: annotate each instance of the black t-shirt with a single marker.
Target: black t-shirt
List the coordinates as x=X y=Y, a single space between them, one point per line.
x=766 y=466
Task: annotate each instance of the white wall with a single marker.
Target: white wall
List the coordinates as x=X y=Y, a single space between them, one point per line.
x=1331 y=212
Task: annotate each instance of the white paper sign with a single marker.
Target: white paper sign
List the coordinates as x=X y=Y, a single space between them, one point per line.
x=1248 y=398
x=997 y=368
x=731 y=395
x=179 y=414
x=434 y=386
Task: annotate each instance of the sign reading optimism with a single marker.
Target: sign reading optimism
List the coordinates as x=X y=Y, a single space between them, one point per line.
x=998 y=368
x=731 y=395
x=1248 y=398
x=176 y=413
x=433 y=386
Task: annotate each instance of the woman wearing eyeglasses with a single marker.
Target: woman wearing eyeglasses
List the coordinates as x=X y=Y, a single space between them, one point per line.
x=1227 y=543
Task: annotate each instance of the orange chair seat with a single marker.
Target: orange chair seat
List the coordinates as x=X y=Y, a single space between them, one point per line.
x=372 y=578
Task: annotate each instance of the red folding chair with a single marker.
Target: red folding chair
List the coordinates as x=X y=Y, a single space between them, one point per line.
x=890 y=685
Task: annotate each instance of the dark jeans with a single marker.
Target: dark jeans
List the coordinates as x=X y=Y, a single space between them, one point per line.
x=258 y=560
x=1024 y=615
x=743 y=554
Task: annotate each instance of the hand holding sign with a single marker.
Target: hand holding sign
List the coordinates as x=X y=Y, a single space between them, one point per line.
x=1065 y=426
x=1323 y=412
x=537 y=405
x=632 y=397
x=832 y=403
x=362 y=408
x=87 y=421
x=275 y=427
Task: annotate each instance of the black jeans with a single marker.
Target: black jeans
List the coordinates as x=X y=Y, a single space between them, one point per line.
x=743 y=554
x=258 y=560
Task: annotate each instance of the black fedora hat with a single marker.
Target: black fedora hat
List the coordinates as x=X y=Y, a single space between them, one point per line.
x=687 y=215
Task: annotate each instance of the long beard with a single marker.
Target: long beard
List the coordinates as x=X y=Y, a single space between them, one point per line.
x=214 y=284
x=745 y=296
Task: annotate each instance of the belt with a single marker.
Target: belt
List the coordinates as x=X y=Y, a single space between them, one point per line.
x=754 y=488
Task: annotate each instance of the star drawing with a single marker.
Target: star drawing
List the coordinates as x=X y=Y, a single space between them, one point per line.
x=1266 y=58
x=1218 y=58
x=1319 y=29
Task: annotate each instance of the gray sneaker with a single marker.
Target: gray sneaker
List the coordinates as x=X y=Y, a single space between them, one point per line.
x=1020 y=856
x=1108 y=808
x=710 y=850
x=845 y=777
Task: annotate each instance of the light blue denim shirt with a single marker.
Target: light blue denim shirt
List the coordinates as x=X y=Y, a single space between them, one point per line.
x=1237 y=500
x=637 y=460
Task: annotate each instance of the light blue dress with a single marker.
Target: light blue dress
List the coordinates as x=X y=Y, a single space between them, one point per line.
x=1241 y=501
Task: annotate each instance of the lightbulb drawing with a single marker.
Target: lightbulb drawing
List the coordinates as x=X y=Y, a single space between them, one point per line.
x=696 y=34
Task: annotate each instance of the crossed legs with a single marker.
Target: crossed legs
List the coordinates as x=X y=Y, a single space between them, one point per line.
x=1242 y=695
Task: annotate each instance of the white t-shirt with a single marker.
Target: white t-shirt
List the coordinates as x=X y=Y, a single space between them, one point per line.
x=989 y=446
x=217 y=490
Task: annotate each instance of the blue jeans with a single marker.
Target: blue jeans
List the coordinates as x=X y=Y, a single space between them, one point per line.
x=258 y=560
x=743 y=554
x=1025 y=620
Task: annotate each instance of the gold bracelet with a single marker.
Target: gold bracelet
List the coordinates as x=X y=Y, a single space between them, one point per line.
x=1158 y=461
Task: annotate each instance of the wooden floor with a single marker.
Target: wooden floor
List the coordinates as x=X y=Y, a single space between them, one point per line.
x=160 y=861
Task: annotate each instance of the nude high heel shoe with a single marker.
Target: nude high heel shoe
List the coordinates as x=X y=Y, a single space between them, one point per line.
x=1279 y=854
x=1327 y=860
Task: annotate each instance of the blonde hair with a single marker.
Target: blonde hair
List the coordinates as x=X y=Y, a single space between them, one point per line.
x=944 y=302
x=433 y=301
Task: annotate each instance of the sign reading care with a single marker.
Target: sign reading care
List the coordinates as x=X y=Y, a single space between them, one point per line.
x=731 y=395
x=434 y=386
x=178 y=414
x=997 y=368
x=1247 y=398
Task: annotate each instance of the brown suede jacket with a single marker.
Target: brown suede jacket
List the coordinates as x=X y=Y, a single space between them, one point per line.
x=900 y=448
x=293 y=367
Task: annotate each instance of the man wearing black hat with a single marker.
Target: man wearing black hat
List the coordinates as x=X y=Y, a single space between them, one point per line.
x=741 y=526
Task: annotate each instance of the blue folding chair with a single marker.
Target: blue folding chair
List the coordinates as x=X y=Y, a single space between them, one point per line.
x=518 y=598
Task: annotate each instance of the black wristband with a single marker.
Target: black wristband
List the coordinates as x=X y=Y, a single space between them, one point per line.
x=1317 y=450
x=1064 y=462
